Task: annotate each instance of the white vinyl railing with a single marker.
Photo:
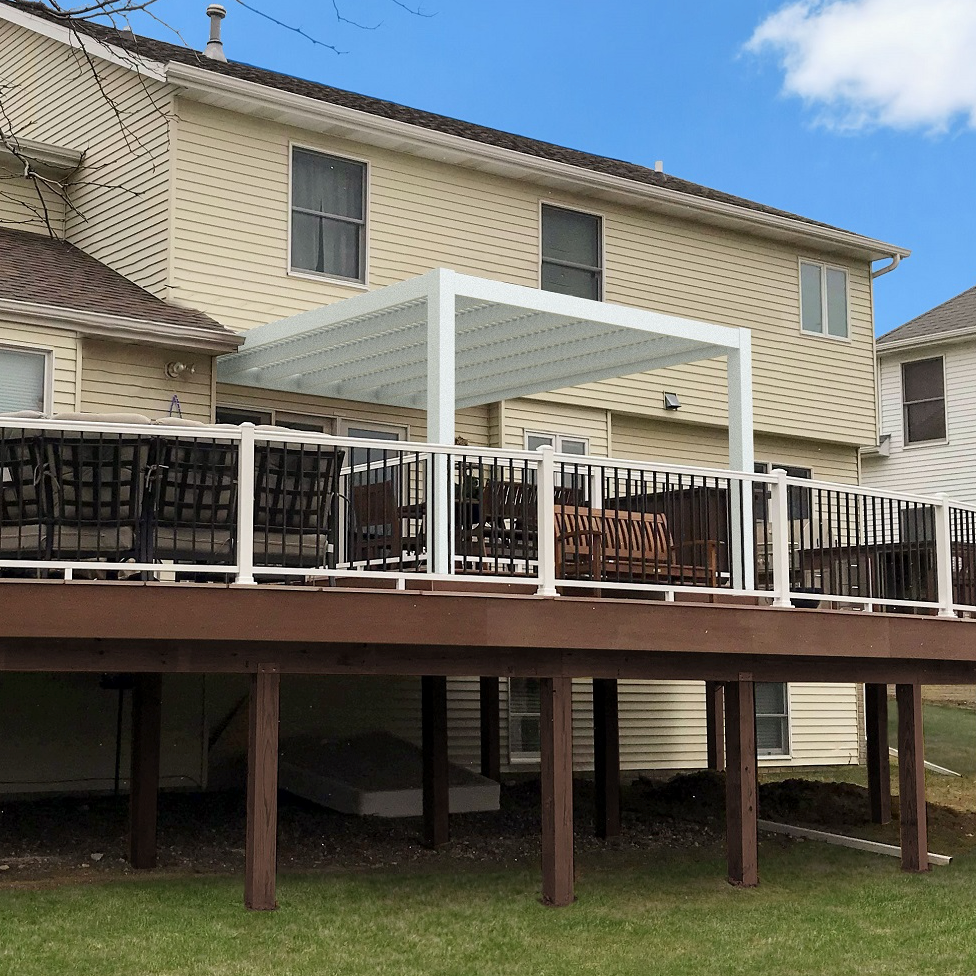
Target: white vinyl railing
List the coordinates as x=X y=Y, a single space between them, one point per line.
x=249 y=504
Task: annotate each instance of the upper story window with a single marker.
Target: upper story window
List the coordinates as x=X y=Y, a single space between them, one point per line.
x=328 y=215
x=923 y=400
x=572 y=252
x=823 y=300
x=23 y=379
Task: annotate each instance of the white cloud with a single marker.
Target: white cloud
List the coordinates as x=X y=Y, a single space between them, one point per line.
x=904 y=64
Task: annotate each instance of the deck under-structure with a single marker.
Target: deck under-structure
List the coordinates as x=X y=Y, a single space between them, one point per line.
x=435 y=631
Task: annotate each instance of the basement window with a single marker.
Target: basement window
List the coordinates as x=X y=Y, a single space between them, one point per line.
x=772 y=718
x=524 y=729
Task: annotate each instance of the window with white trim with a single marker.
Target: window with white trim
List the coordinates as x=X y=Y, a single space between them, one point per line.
x=772 y=718
x=328 y=215
x=23 y=379
x=923 y=400
x=572 y=252
x=524 y=728
x=823 y=300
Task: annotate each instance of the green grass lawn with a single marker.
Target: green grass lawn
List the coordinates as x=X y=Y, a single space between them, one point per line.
x=818 y=910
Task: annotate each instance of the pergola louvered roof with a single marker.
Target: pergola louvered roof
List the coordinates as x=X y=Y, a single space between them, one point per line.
x=393 y=345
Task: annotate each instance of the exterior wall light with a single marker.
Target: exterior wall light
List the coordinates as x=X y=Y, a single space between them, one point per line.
x=177 y=370
x=671 y=401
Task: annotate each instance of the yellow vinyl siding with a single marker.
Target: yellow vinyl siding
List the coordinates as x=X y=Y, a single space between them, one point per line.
x=120 y=378
x=823 y=724
x=471 y=423
x=64 y=347
x=21 y=208
x=120 y=195
x=529 y=415
x=230 y=259
x=644 y=439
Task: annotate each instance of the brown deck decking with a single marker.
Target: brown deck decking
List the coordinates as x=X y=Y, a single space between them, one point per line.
x=269 y=630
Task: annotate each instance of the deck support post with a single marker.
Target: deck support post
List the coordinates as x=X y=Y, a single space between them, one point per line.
x=261 y=848
x=491 y=759
x=606 y=757
x=436 y=794
x=556 y=749
x=879 y=766
x=911 y=779
x=740 y=789
x=714 y=724
x=147 y=695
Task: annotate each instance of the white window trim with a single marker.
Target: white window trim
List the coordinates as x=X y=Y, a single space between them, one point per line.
x=557 y=440
x=824 y=267
x=344 y=423
x=524 y=758
x=48 y=353
x=602 y=239
x=915 y=445
x=359 y=284
x=777 y=757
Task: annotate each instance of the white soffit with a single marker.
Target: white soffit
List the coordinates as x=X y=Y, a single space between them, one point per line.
x=509 y=341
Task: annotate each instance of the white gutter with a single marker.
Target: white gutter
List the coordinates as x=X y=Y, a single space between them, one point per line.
x=895 y=261
x=119 y=327
x=49 y=160
x=264 y=101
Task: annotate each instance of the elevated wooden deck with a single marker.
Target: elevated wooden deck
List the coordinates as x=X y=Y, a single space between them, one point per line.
x=435 y=631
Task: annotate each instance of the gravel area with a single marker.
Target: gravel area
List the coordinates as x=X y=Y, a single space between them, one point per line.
x=204 y=833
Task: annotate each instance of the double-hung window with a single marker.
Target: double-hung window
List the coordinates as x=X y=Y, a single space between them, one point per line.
x=772 y=718
x=524 y=733
x=823 y=300
x=572 y=252
x=23 y=379
x=923 y=400
x=328 y=215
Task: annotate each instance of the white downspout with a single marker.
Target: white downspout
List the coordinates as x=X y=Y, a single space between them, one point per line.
x=895 y=261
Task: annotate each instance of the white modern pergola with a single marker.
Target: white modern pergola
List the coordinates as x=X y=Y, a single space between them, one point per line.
x=445 y=340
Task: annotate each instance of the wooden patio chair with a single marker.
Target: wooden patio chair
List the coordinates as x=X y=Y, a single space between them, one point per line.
x=627 y=546
x=376 y=533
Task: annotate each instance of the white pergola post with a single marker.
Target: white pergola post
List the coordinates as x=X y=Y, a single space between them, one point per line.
x=441 y=401
x=742 y=458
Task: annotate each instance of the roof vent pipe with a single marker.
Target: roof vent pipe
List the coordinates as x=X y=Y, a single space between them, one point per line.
x=215 y=46
x=659 y=166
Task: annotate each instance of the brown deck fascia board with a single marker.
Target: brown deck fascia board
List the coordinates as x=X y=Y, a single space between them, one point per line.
x=97 y=626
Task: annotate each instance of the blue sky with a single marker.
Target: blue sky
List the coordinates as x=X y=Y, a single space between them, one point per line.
x=859 y=113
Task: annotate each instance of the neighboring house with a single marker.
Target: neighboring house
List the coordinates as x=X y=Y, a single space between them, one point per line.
x=252 y=195
x=927 y=426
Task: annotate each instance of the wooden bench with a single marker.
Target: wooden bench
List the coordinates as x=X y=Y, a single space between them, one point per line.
x=608 y=544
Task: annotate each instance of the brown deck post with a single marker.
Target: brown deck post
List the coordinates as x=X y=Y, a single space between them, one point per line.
x=879 y=765
x=261 y=848
x=491 y=758
x=911 y=779
x=606 y=757
x=556 y=728
x=436 y=787
x=147 y=695
x=740 y=788
x=714 y=730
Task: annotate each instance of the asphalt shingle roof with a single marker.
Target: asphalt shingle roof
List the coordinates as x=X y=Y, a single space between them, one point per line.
x=39 y=269
x=164 y=52
x=951 y=316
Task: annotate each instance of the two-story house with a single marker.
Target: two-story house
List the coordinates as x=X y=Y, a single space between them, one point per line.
x=249 y=196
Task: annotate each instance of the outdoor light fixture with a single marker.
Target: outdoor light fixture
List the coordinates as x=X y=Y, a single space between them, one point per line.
x=671 y=401
x=177 y=370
